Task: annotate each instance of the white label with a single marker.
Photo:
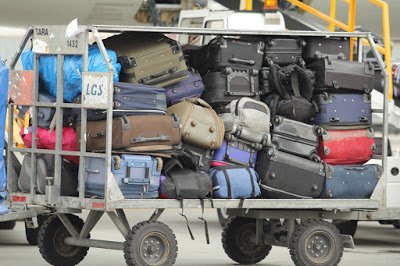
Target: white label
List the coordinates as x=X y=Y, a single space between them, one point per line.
x=95 y=88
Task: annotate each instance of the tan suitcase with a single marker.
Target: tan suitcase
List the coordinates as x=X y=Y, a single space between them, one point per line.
x=201 y=126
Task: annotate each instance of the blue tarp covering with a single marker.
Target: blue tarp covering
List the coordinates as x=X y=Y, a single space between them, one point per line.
x=3 y=110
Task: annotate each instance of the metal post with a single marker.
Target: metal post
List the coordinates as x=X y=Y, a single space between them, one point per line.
x=332 y=25
x=119 y=224
x=90 y=243
x=90 y=223
x=351 y=24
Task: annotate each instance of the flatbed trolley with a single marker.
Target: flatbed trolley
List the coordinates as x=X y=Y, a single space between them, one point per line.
x=302 y=225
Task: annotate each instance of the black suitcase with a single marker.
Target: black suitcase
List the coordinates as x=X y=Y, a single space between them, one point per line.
x=296 y=138
x=230 y=84
x=317 y=47
x=224 y=52
x=201 y=157
x=283 y=51
x=343 y=75
x=284 y=175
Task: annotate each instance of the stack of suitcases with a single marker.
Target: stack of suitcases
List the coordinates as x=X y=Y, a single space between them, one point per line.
x=236 y=118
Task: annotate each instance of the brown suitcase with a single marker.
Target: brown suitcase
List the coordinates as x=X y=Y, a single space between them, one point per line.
x=135 y=133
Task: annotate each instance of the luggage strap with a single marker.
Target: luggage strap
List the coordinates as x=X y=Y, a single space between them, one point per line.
x=228 y=183
x=205 y=222
x=187 y=221
x=253 y=189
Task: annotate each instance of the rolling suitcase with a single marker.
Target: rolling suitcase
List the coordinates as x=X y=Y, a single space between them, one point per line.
x=351 y=146
x=339 y=109
x=222 y=52
x=283 y=51
x=230 y=84
x=137 y=176
x=234 y=182
x=284 y=175
x=148 y=58
x=333 y=75
x=237 y=152
x=352 y=182
x=135 y=133
x=192 y=87
x=317 y=47
x=201 y=126
x=296 y=138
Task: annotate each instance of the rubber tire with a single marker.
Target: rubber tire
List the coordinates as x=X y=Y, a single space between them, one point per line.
x=50 y=229
x=138 y=233
x=303 y=231
x=32 y=233
x=9 y=225
x=229 y=240
x=396 y=224
x=346 y=227
x=222 y=217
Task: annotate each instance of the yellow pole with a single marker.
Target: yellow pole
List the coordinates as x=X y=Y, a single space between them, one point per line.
x=249 y=5
x=351 y=24
x=387 y=44
x=333 y=15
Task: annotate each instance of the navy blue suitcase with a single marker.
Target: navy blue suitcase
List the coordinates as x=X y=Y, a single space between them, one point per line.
x=192 y=87
x=343 y=109
x=236 y=151
x=138 y=176
x=352 y=181
x=230 y=182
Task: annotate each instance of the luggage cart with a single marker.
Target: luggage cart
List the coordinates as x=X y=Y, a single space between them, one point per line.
x=302 y=225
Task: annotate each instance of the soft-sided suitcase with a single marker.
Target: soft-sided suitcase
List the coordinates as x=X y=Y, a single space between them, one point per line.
x=192 y=87
x=230 y=84
x=238 y=152
x=342 y=75
x=351 y=146
x=317 y=47
x=187 y=184
x=45 y=168
x=284 y=175
x=248 y=119
x=202 y=157
x=135 y=133
x=352 y=182
x=137 y=176
x=283 y=51
x=296 y=137
x=201 y=126
x=224 y=52
x=343 y=109
x=148 y=58
x=230 y=182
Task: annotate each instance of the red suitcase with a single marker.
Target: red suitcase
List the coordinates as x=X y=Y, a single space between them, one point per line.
x=352 y=146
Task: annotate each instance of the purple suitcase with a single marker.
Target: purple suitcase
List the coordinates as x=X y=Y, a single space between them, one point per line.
x=237 y=152
x=192 y=87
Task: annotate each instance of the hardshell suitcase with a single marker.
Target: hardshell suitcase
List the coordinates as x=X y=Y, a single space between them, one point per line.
x=135 y=133
x=284 y=175
x=296 y=137
x=352 y=182
x=238 y=152
x=192 y=87
x=45 y=168
x=230 y=84
x=343 y=109
x=317 y=47
x=137 y=176
x=224 y=52
x=230 y=182
x=201 y=126
x=148 y=58
x=332 y=75
x=283 y=51
x=351 y=146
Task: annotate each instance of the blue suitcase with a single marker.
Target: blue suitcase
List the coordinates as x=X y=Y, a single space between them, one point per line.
x=343 y=109
x=236 y=151
x=230 y=182
x=137 y=176
x=352 y=182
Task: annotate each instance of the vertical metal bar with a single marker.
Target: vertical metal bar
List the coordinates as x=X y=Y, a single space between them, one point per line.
x=351 y=25
x=90 y=223
x=12 y=180
x=359 y=49
x=332 y=25
x=387 y=44
x=68 y=225
x=119 y=224
x=259 y=231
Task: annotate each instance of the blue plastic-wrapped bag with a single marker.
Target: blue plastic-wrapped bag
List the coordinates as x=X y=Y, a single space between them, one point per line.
x=72 y=70
x=3 y=110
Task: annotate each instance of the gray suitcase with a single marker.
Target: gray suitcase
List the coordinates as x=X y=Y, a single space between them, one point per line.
x=284 y=175
x=296 y=137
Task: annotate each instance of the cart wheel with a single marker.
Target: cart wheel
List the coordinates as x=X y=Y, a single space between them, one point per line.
x=51 y=242
x=346 y=227
x=32 y=233
x=150 y=243
x=396 y=224
x=316 y=242
x=222 y=216
x=9 y=225
x=238 y=241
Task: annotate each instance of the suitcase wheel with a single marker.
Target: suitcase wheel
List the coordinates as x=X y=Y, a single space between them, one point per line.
x=315 y=158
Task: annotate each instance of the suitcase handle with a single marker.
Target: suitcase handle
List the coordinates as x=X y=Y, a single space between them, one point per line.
x=97 y=135
x=199 y=101
x=231 y=74
x=363 y=119
x=162 y=77
x=334 y=119
x=141 y=138
x=241 y=61
x=92 y=171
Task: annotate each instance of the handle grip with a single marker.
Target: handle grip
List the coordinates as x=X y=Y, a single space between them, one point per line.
x=141 y=138
x=241 y=61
